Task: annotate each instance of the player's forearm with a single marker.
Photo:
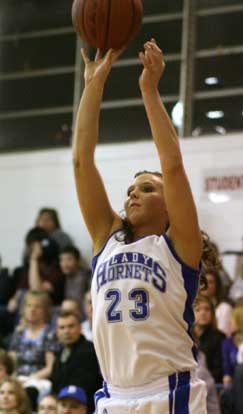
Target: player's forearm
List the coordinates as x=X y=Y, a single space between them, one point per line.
x=87 y=122
x=164 y=134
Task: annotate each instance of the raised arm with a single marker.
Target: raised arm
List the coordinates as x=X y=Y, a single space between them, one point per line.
x=184 y=230
x=98 y=214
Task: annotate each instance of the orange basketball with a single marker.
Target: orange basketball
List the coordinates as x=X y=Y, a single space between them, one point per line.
x=106 y=24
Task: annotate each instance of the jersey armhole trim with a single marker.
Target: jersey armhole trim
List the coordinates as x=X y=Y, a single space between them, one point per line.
x=95 y=258
x=185 y=266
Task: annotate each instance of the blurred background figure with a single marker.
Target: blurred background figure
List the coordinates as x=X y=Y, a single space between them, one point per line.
x=13 y=398
x=208 y=337
x=76 y=362
x=47 y=404
x=213 y=406
x=77 y=278
x=7 y=366
x=87 y=323
x=33 y=345
x=222 y=305
x=48 y=219
x=40 y=270
x=72 y=400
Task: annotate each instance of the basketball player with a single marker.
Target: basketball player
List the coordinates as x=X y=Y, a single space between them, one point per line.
x=146 y=267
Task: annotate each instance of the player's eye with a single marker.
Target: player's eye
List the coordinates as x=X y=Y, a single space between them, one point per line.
x=147 y=188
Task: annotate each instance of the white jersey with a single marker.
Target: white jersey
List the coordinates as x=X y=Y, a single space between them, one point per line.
x=142 y=296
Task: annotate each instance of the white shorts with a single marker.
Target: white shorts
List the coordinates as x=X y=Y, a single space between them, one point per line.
x=181 y=393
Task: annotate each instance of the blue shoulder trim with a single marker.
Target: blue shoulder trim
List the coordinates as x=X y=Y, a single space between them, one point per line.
x=95 y=258
x=185 y=266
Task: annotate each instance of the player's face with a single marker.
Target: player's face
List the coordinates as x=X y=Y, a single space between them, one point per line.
x=203 y=314
x=68 y=330
x=145 y=201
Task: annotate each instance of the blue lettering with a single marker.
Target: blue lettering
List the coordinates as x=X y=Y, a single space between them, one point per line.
x=159 y=281
x=137 y=272
x=128 y=271
x=119 y=272
x=101 y=279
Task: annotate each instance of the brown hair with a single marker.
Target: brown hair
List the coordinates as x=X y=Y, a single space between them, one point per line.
x=7 y=361
x=205 y=299
x=237 y=318
x=53 y=396
x=52 y=212
x=67 y=313
x=23 y=406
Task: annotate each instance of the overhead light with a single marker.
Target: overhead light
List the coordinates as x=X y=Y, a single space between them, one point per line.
x=177 y=114
x=211 y=80
x=215 y=114
x=218 y=197
x=221 y=130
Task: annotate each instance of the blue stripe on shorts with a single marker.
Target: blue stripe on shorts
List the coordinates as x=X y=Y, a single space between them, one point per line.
x=102 y=393
x=179 y=394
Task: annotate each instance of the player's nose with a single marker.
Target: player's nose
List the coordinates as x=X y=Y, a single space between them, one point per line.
x=134 y=193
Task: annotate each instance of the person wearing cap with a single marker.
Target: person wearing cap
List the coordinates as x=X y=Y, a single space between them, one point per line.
x=72 y=400
x=76 y=362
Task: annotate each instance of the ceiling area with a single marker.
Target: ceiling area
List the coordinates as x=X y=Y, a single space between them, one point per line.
x=39 y=89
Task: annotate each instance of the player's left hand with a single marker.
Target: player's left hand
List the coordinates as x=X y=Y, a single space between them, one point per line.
x=153 y=66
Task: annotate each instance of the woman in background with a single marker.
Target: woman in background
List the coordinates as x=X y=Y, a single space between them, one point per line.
x=208 y=337
x=47 y=404
x=48 y=219
x=13 y=398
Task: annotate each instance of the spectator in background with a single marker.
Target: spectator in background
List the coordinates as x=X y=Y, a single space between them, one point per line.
x=7 y=365
x=76 y=362
x=33 y=345
x=40 y=271
x=47 y=404
x=86 y=325
x=233 y=366
x=208 y=337
x=223 y=309
x=76 y=277
x=72 y=400
x=8 y=284
x=48 y=220
x=203 y=373
x=71 y=305
x=231 y=345
x=13 y=398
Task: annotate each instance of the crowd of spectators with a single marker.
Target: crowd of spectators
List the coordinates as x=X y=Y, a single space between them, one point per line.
x=47 y=359
x=47 y=363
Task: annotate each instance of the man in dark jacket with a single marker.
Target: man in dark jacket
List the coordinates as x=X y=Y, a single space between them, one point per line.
x=76 y=362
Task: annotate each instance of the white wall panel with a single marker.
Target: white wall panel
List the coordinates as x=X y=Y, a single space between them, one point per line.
x=29 y=181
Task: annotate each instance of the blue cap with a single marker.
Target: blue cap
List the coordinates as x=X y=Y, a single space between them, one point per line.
x=74 y=392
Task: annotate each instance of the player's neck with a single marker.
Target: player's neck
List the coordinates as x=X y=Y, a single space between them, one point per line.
x=143 y=231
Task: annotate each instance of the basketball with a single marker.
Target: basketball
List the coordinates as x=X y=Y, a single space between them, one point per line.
x=105 y=24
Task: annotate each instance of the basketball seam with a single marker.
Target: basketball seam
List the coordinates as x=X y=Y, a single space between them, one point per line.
x=107 y=24
x=82 y=14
